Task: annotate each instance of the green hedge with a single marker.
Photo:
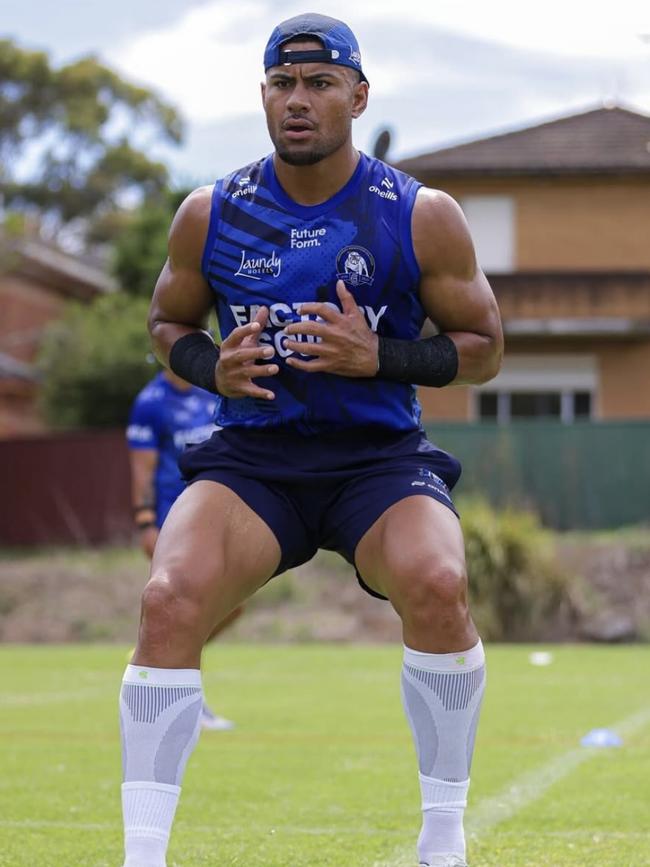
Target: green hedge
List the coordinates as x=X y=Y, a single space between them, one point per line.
x=516 y=583
x=94 y=361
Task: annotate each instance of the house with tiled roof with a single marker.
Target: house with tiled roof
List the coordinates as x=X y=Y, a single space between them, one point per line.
x=560 y=216
x=36 y=281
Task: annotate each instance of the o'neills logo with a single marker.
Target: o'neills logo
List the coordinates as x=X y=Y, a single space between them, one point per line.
x=256 y=267
x=244 y=191
x=384 y=194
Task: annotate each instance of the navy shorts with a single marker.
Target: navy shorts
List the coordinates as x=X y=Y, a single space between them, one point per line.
x=322 y=491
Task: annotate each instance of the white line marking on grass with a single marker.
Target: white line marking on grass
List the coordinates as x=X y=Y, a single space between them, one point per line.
x=185 y=825
x=527 y=788
x=42 y=824
x=481 y=818
x=19 y=699
x=531 y=785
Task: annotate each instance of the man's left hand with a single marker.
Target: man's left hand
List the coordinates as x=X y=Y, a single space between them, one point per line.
x=346 y=345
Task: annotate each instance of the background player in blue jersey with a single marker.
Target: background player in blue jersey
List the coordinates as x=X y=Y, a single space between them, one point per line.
x=166 y=416
x=323 y=265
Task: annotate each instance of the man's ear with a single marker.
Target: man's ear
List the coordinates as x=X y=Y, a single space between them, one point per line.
x=360 y=99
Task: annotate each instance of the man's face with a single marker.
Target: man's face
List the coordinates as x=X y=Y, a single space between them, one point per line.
x=310 y=106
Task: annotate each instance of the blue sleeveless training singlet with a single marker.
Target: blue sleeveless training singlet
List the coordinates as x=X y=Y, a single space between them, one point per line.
x=323 y=461
x=265 y=249
x=168 y=419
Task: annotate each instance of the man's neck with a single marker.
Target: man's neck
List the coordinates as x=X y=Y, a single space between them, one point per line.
x=312 y=185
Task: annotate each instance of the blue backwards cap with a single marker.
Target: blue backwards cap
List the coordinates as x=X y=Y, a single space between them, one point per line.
x=340 y=46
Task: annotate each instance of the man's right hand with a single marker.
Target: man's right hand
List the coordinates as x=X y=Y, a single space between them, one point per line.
x=238 y=353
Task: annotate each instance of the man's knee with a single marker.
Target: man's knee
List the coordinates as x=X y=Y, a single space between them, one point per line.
x=427 y=590
x=170 y=605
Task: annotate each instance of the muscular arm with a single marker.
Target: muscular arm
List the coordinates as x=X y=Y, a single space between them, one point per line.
x=179 y=310
x=182 y=300
x=453 y=289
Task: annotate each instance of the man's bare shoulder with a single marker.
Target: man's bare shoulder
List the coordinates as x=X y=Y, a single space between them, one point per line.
x=441 y=236
x=437 y=210
x=194 y=212
x=189 y=228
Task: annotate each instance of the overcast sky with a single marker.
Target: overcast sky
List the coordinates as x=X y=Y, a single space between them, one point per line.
x=441 y=71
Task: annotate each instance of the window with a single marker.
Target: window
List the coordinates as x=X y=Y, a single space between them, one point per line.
x=535 y=404
x=561 y=387
x=492 y=224
x=488 y=405
x=582 y=404
x=508 y=406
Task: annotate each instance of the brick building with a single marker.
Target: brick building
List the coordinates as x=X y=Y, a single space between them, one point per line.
x=560 y=215
x=36 y=280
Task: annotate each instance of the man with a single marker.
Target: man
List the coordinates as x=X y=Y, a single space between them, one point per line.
x=166 y=416
x=321 y=444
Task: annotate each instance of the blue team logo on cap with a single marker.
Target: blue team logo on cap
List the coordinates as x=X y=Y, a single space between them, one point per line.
x=356 y=266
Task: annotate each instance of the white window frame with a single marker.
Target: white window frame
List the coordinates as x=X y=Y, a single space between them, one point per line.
x=562 y=373
x=492 y=225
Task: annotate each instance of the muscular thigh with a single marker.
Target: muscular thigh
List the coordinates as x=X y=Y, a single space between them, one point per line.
x=411 y=536
x=214 y=547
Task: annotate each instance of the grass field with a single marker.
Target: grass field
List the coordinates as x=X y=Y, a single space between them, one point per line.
x=320 y=771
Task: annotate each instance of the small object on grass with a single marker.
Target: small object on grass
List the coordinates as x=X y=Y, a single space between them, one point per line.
x=601 y=738
x=540 y=657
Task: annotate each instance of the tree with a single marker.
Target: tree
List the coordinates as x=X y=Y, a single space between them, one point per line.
x=141 y=246
x=96 y=359
x=85 y=128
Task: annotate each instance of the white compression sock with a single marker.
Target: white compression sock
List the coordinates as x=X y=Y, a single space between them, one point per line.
x=442 y=695
x=160 y=710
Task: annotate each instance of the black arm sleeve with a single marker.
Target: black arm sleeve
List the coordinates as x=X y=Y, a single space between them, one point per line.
x=194 y=358
x=432 y=361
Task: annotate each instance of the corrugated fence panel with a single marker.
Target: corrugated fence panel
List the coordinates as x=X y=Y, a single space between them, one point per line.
x=579 y=476
x=70 y=488
x=73 y=488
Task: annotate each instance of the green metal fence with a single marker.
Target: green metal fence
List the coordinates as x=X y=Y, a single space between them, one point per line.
x=579 y=476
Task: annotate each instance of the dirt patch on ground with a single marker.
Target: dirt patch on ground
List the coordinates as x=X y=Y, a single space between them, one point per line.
x=95 y=596
x=86 y=595
x=611 y=602
x=71 y=596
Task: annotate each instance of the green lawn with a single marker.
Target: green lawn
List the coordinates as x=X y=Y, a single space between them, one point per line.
x=320 y=771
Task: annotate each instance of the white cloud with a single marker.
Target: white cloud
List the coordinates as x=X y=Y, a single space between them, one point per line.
x=579 y=28
x=439 y=71
x=210 y=61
